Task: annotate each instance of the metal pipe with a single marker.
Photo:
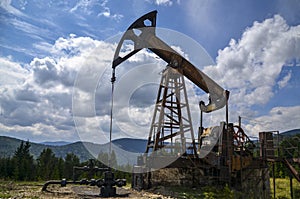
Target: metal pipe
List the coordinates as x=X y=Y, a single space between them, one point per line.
x=113 y=79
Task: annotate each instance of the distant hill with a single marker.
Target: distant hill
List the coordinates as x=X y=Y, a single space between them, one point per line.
x=126 y=149
x=131 y=145
x=291 y=132
x=57 y=143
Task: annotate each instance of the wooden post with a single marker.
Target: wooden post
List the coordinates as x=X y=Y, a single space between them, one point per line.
x=274 y=187
x=291 y=186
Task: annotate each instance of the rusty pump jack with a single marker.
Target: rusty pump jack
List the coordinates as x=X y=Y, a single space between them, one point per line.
x=143 y=34
x=225 y=157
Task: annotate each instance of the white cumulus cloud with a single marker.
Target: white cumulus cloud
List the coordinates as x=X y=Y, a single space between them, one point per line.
x=250 y=67
x=279 y=119
x=36 y=98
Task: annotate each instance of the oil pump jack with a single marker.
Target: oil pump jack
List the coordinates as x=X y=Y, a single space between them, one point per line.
x=172 y=83
x=219 y=153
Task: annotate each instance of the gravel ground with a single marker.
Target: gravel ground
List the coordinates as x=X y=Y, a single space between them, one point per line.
x=33 y=190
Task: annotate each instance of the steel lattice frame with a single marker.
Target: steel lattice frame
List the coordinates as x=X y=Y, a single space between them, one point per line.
x=172 y=118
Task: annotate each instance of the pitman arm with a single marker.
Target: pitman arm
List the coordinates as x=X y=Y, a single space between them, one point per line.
x=148 y=39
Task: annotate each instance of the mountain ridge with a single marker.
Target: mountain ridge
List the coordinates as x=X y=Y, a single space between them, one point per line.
x=291 y=132
x=8 y=146
x=126 y=149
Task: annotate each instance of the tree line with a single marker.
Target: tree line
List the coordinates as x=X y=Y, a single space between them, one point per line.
x=22 y=166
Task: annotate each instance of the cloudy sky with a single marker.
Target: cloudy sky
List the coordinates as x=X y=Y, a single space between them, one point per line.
x=55 y=61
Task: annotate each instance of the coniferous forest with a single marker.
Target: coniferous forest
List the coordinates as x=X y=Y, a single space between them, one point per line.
x=22 y=166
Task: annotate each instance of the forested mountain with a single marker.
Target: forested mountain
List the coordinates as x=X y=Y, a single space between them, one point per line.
x=123 y=146
x=291 y=132
x=8 y=146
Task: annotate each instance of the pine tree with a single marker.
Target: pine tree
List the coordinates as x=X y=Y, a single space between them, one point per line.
x=103 y=158
x=113 y=160
x=58 y=169
x=108 y=160
x=23 y=163
x=46 y=164
x=71 y=160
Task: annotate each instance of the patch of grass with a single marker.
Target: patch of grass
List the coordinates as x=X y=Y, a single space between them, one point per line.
x=208 y=192
x=5 y=188
x=30 y=183
x=5 y=195
x=282 y=188
x=10 y=189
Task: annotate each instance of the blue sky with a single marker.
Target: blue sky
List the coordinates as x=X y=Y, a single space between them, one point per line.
x=254 y=44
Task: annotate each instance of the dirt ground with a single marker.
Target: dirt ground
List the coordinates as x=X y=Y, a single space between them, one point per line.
x=33 y=190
